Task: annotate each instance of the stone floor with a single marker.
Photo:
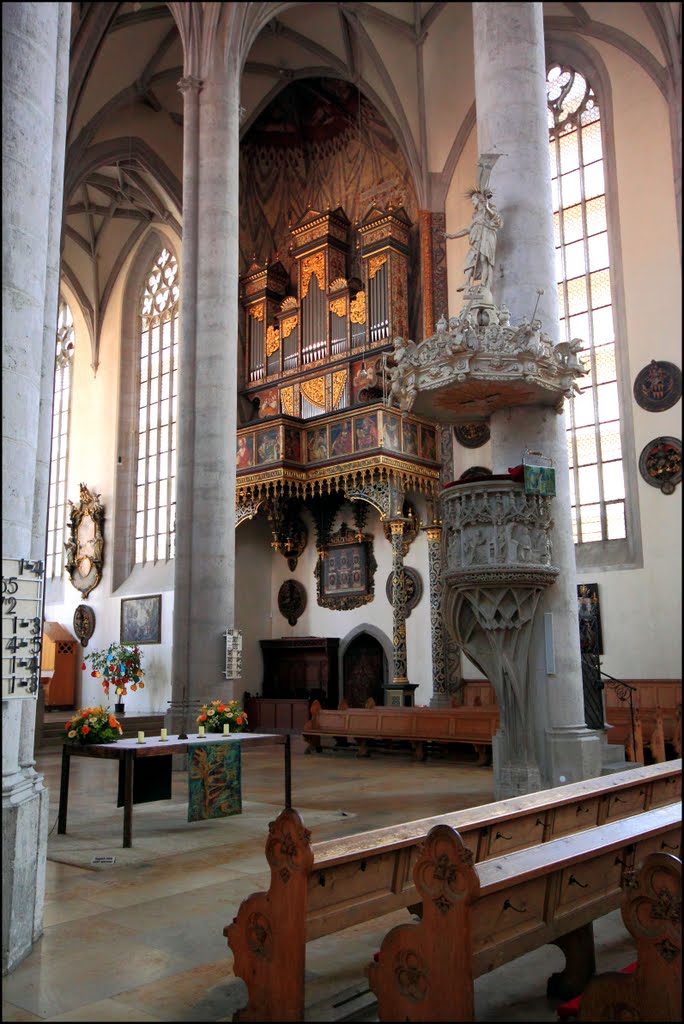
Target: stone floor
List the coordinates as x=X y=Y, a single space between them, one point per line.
x=142 y=939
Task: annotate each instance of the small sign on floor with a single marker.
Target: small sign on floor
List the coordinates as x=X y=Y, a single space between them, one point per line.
x=103 y=860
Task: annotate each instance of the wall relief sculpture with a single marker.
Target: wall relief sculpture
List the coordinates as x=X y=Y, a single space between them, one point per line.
x=85 y=546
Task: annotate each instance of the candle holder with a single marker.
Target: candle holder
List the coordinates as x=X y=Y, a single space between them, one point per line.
x=183 y=705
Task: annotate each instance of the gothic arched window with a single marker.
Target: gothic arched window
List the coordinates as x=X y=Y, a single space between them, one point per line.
x=155 y=506
x=59 y=454
x=585 y=298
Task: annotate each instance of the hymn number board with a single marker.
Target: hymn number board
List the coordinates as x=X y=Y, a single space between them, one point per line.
x=22 y=608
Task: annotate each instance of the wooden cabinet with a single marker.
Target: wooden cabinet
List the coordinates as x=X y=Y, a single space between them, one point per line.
x=59 y=656
x=297 y=668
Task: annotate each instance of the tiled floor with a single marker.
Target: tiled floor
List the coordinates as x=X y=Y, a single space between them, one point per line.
x=142 y=939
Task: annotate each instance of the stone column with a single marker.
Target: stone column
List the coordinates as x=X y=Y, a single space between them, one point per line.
x=189 y=86
x=35 y=51
x=399 y=678
x=205 y=524
x=440 y=694
x=510 y=76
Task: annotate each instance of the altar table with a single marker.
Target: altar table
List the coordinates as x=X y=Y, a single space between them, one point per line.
x=129 y=751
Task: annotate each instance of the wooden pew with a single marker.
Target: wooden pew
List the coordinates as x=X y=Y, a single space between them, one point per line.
x=417 y=726
x=651 y=911
x=478 y=917
x=320 y=889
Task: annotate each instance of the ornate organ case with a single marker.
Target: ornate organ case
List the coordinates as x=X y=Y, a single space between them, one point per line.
x=303 y=351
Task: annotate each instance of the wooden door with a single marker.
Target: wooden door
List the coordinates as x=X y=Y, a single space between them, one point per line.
x=364 y=670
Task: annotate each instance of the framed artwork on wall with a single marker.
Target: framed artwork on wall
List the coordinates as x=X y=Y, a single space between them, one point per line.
x=141 y=620
x=345 y=570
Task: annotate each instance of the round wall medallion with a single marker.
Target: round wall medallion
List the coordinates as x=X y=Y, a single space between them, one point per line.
x=84 y=623
x=658 y=386
x=291 y=600
x=472 y=435
x=660 y=463
x=413 y=587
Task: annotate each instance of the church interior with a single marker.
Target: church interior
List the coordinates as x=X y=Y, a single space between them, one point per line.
x=332 y=385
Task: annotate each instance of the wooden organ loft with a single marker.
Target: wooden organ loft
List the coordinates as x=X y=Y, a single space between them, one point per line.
x=320 y=431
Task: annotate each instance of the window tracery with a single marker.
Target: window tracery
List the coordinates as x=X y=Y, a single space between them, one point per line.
x=585 y=298
x=158 y=408
x=59 y=459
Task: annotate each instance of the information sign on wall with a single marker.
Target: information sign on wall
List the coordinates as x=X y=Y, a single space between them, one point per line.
x=22 y=609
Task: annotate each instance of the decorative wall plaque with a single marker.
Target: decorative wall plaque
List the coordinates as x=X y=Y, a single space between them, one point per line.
x=292 y=600
x=413 y=589
x=84 y=623
x=472 y=435
x=345 y=570
x=84 y=549
x=658 y=386
x=660 y=463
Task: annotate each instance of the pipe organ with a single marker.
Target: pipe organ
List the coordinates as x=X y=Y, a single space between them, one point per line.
x=331 y=321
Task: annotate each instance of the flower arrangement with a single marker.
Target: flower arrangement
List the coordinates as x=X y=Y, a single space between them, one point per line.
x=119 y=666
x=93 y=725
x=222 y=712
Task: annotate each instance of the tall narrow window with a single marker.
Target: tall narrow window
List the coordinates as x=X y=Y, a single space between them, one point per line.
x=61 y=411
x=156 y=477
x=586 y=305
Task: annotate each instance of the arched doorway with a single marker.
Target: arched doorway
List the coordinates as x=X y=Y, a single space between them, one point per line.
x=364 y=671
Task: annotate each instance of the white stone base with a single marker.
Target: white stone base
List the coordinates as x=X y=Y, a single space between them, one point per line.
x=25 y=812
x=572 y=754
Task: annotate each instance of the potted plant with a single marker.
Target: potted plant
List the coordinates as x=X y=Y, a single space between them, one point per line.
x=120 y=666
x=92 y=725
x=222 y=712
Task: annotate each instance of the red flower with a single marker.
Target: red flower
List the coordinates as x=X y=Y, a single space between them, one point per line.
x=83 y=667
x=94 y=674
x=85 y=729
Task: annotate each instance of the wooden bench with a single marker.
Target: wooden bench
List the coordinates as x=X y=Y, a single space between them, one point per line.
x=478 y=917
x=321 y=889
x=418 y=726
x=651 y=911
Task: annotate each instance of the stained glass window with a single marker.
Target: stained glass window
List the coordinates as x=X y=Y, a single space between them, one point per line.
x=586 y=305
x=155 y=521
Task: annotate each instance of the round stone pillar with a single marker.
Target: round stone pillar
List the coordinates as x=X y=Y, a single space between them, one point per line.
x=440 y=695
x=510 y=90
x=35 y=56
x=394 y=692
x=205 y=523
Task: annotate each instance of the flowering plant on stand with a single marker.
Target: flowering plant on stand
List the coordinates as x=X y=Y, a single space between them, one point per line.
x=119 y=666
x=222 y=712
x=93 y=725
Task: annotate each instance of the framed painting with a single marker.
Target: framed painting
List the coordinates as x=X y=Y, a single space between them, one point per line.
x=141 y=620
x=410 y=432
x=429 y=443
x=293 y=445
x=345 y=571
x=268 y=446
x=366 y=431
x=317 y=444
x=390 y=433
x=244 y=455
x=341 y=438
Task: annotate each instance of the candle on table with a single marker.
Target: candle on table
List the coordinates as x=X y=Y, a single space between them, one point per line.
x=141 y=737
x=226 y=729
x=163 y=734
x=200 y=731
